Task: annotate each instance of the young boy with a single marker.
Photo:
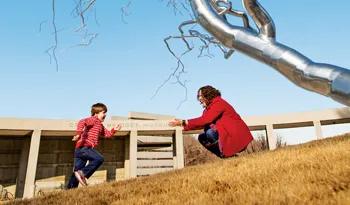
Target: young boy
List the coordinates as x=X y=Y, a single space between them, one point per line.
x=88 y=131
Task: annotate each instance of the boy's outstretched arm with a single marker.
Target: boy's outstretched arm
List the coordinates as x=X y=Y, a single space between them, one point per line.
x=109 y=134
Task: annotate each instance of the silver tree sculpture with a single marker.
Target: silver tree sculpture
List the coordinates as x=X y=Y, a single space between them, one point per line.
x=325 y=79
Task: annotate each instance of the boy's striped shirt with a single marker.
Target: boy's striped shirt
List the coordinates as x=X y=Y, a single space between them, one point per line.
x=89 y=130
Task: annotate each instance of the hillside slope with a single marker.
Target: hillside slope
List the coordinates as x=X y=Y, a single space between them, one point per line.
x=313 y=173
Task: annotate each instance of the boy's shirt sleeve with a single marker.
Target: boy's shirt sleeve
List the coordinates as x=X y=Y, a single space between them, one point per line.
x=107 y=133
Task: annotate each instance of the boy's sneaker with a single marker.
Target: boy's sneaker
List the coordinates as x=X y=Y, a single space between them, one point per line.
x=81 y=178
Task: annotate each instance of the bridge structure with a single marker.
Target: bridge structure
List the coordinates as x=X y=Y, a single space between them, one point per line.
x=37 y=154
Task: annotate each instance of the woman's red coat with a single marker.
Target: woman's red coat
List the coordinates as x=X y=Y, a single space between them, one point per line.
x=234 y=134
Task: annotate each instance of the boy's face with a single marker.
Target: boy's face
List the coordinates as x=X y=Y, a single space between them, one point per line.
x=101 y=115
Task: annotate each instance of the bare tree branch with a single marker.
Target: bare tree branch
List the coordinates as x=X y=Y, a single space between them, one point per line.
x=206 y=41
x=54 y=47
x=123 y=12
x=180 y=66
x=82 y=9
x=83 y=44
x=81 y=14
x=173 y=4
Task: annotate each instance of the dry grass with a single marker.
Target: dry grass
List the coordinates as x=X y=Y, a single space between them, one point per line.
x=195 y=153
x=314 y=173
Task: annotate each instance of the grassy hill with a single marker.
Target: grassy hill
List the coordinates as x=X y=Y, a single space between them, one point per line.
x=317 y=172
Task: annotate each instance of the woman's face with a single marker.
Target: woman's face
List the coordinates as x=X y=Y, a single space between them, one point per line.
x=202 y=99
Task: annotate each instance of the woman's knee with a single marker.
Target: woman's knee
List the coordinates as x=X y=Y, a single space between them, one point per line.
x=210 y=133
x=202 y=138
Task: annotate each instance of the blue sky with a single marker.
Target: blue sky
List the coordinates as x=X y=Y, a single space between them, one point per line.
x=126 y=63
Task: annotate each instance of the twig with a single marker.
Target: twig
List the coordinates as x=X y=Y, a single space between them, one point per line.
x=180 y=69
x=123 y=12
x=80 y=10
x=83 y=44
x=54 y=47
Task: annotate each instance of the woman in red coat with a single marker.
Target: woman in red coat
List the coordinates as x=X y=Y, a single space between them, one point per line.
x=225 y=133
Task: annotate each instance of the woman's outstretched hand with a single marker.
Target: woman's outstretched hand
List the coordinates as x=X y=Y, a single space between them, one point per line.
x=175 y=122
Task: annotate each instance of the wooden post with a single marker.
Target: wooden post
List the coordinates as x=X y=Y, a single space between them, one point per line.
x=127 y=158
x=271 y=137
x=32 y=164
x=179 y=148
x=133 y=154
x=318 y=129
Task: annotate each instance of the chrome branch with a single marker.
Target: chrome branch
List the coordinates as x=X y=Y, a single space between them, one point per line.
x=260 y=17
x=328 y=80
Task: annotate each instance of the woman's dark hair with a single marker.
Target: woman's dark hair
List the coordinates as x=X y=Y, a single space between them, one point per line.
x=208 y=93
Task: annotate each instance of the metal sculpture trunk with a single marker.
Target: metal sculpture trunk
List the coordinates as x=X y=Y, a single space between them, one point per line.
x=328 y=80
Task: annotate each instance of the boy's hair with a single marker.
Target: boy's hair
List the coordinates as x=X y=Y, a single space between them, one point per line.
x=97 y=108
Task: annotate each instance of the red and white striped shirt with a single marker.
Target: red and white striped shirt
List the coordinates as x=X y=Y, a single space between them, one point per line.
x=89 y=130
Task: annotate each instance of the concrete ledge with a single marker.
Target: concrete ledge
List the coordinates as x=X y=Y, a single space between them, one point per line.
x=49 y=127
x=148 y=116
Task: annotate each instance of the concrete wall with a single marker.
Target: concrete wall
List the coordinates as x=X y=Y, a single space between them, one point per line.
x=55 y=163
x=10 y=153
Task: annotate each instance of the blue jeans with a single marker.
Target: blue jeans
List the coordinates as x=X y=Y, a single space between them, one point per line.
x=208 y=137
x=81 y=156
